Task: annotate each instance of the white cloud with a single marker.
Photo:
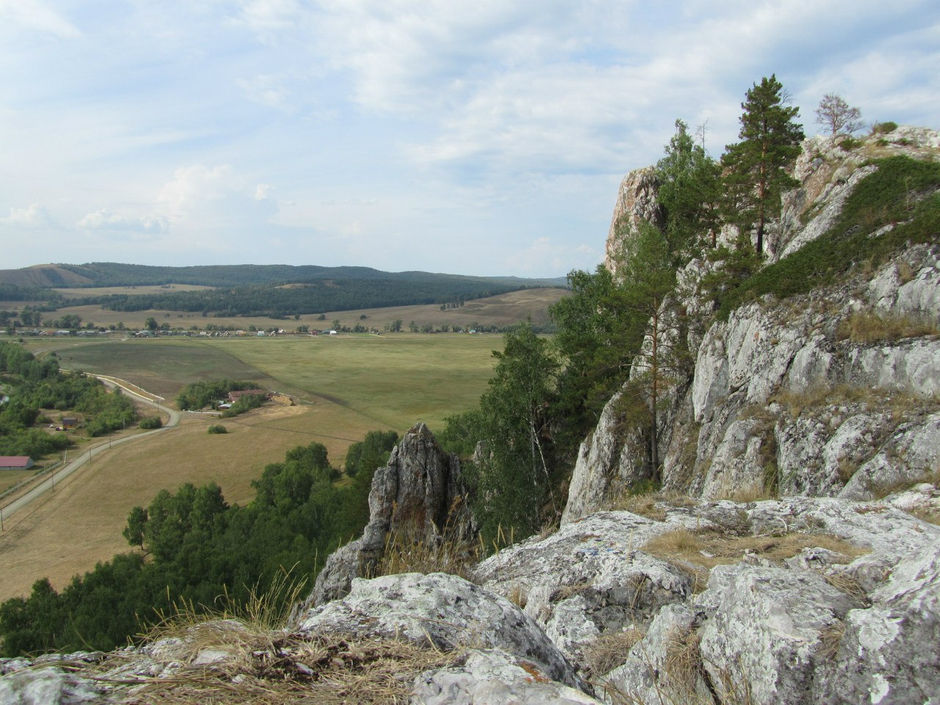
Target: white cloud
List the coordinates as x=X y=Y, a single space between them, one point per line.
x=37 y=16
x=33 y=216
x=104 y=219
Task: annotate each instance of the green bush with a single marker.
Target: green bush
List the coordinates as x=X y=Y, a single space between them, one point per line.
x=217 y=428
x=885 y=197
x=883 y=128
x=150 y=422
x=850 y=143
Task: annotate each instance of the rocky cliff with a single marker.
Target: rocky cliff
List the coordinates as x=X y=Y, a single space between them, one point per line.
x=829 y=393
x=792 y=557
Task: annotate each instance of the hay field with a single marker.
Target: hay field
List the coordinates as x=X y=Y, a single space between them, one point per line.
x=70 y=530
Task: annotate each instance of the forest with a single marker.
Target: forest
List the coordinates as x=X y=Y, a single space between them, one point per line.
x=35 y=385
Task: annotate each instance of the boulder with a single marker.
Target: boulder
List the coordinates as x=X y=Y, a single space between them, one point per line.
x=589 y=578
x=488 y=676
x=442 y=612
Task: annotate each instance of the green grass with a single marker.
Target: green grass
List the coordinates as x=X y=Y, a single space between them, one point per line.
x=395 y=380
x=392 y=381
x=902 y=191
x=161 y=367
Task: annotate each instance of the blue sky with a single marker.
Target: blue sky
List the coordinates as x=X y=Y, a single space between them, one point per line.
x=483 y=137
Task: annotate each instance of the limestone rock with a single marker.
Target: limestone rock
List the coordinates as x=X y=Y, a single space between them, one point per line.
x=48 y=686
x=765 y=631
x=418 y=495
x=636 y=202
x=440 y=611
x=488 y=676
x=589 y=578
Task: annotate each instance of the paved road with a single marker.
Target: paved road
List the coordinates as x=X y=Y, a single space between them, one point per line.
x=58 y=475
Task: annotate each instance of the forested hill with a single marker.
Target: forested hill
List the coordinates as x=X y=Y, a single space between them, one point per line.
x=277 y=290
x=95 y=274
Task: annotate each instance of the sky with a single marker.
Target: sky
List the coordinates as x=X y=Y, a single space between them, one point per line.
x=483 y=137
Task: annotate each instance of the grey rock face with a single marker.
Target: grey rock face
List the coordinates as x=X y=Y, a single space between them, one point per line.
x=589 y=578
x=440 y=611
x=48 y=686
x=488 y=676
x=636 y=202
x=418 y=495
x=820 y=627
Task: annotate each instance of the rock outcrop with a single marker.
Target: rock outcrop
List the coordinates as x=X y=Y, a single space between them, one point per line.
x=829 y=393
x=417 y=496
x=636 y=203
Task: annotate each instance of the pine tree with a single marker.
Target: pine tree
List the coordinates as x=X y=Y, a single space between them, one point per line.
x=688 y=192
x=757 y=165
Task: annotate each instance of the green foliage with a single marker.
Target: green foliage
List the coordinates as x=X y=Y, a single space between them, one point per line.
x=883 y=128
x=690 y=185
x=36 y=385
x=199 y=395
x=887 y=196
x=513 y=480
x=246 y=402
x=597 y=337
x=150 y=422
x=197 y=549
x=756 y=166
x=370 y=453
x=217 y=428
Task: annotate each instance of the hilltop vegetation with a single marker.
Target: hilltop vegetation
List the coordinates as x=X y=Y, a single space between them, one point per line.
x=276 y=291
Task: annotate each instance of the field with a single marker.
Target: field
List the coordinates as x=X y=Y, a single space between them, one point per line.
x=502 y=310
x=345 y=385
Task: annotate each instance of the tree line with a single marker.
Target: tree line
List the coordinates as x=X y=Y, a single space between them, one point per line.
x=35 y=385
x=192 y=547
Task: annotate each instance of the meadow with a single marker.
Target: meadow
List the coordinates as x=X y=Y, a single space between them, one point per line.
x=502 y=310
x=344 y=386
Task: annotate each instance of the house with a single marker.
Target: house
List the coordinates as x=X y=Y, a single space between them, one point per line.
x=15 y=462
x=69 y=422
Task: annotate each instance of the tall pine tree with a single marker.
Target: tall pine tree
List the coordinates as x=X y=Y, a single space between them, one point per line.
x=757 y=165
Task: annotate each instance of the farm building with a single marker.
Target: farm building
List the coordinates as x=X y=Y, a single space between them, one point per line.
x=15 y=462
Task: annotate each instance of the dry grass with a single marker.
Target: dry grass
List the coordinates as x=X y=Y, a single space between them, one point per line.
x=610 y=650
x=260 y=669
x=698 y=553
x=405 y=554
x=830 y=638
x=654 y=505
x=869 y=327
x=239 y=656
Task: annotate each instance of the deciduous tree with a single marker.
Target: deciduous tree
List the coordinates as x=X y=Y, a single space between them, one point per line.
x=834 y=113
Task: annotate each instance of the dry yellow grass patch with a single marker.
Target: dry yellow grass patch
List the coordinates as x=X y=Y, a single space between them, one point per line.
x=68 y=531
x=870 y=327
x=653 y=505
x=610 y=650
x=700 y=552
x=272 y=668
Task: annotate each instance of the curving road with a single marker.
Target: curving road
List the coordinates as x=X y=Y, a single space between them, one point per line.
x=58 y=475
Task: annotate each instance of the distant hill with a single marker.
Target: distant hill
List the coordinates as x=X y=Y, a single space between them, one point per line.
x=95 y=274
x=45 y=276
x=267 y=290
